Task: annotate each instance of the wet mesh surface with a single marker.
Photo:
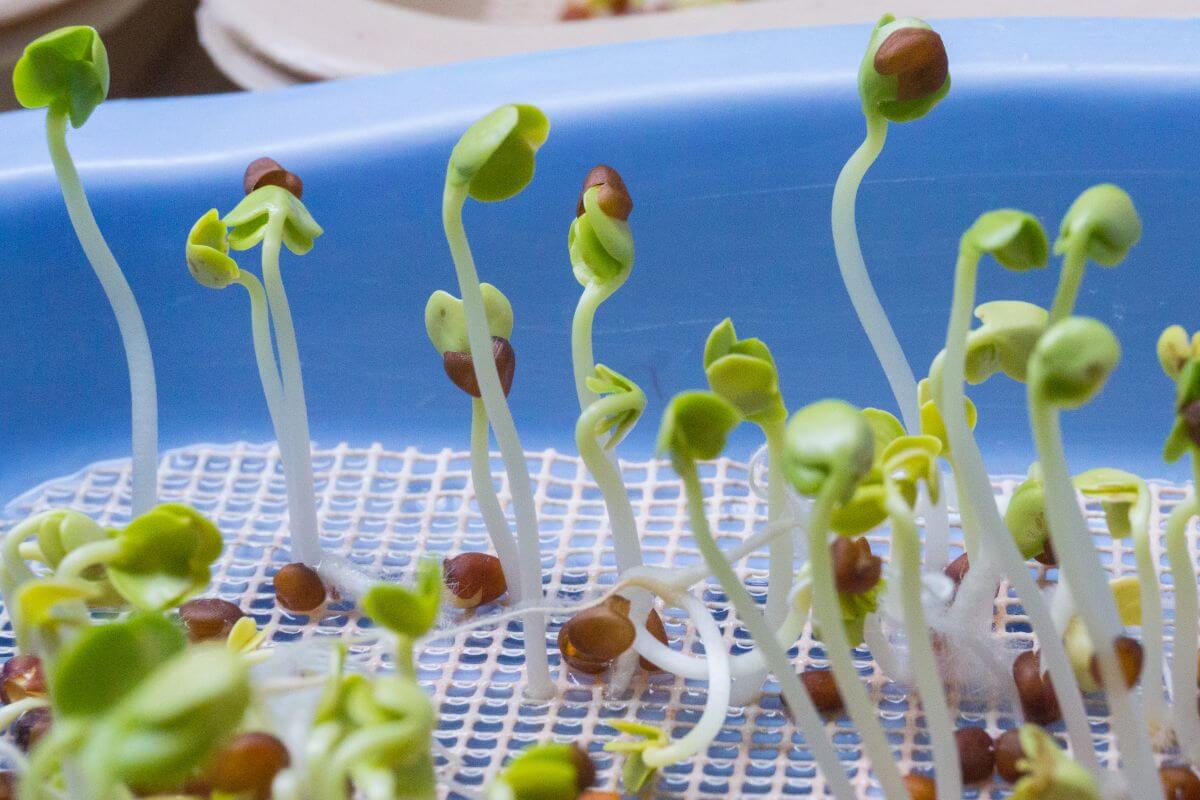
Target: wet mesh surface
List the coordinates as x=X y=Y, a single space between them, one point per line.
x=383 y=509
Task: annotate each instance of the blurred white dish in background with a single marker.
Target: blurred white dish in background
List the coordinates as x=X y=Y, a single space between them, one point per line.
x=266 y=43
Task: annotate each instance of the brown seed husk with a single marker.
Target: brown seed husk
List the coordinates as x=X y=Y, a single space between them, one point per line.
x=268 y=172
x=654 y=625
x=920 y=787
x=976 y=754
x=473 y=579
x=299 y=588
x=1129 y=657
x=856 y=570
x=209 y=618
x=822 y=689
x=1008 y=753
x=613 y=197
x=1038 y=700
x=22 y=676
x=461 y=371
x=248 y=764
x=917 y=57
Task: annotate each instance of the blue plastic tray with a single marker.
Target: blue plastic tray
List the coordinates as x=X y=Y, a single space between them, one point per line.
x=730 y=146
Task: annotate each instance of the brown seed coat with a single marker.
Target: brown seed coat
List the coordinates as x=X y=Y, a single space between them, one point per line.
x=920 y=787
x=268 y=172
x=1129 y=658
x=1038 y=700
x=856 y=570
x=248 y=765
x=822 y=689
x=1179 y=783
x=473 y=579
x=209 y=618
x=461 y=370
x=613 y=196
x=976 y=754
x=1008 y=753
x=917 y=57
x=22 y=676
x=298 y=588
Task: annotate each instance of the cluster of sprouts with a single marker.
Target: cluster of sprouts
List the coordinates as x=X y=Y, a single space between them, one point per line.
x=166 y=693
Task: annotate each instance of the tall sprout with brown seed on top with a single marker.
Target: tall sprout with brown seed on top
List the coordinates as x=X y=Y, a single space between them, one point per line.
x=904 y=73
x=493 y=161
x=601 y=250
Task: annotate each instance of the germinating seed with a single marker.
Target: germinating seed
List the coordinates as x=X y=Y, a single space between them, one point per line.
x=1038 y=700
x=822 y=689
x=1008 y=753
x=21 y=677
x=920 y=787
x=976 y=754
x=1129 y=657
x=299 y=588
x=1179 y=783
x=248 y=765
x=856 y=569
x=209 y=618
x=31 y=726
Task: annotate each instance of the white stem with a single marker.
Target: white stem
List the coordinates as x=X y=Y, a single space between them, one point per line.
x=10 y=712
x=1149 y=588
x=936 y=517
x=775 y=656
x=1184 y=714
x=489 y=504
x=906 y=543
x=977 y=506
x=540 y=686
x=296 y=454
x=79 y=560
x=889 y=661
x=142 y=389
x=716 y=704
x=1079 y=563
x=858 y=281
x=264 y=355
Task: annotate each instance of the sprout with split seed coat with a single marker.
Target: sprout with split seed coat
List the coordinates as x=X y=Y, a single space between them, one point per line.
x=494 y=160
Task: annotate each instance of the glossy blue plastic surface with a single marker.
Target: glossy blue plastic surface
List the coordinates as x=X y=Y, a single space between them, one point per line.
x=730 y=146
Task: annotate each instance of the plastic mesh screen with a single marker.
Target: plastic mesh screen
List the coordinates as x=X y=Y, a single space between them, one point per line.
x=382 y=509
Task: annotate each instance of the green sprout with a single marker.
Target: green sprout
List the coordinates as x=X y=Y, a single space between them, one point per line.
x=600 y=245
x=66 y=72
x=158 y=561
x=1048 y=773
x=1069 y=366
x=829 y=450
x=446 y=325
x=1017 y=242
x=407 y=613
x=543 y=772
x=54 y=534
x=743 y=372
x=494 y=160
x=1184 y=438
x=375 y=735
x=274 y=217
x=695 y=427
x=903 y=75
x=132 y=706
x=1102 y=224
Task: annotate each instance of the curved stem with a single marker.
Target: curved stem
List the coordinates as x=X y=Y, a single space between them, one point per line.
x=540 y=686
x=1078 y=562
x=1184 y=716
x=583 y=363
x=489 y=504
x=742 y=666
x=626 y=542
x=89 y=555
x=978 y=504
x=10 y=712
x=16 y=571
x=1069 y=280
x=906 y=549
x=1149 y=588
x=775 y=656
x=142 y=389
x=858 y=282
x=827 y=613
x=716 y=704
x=264 y=354
x=296 y=455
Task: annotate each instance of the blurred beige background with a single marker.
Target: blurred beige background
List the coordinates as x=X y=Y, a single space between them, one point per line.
x=193 y=46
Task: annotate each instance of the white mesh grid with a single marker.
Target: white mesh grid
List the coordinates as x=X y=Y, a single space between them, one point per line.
x=383 y=508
